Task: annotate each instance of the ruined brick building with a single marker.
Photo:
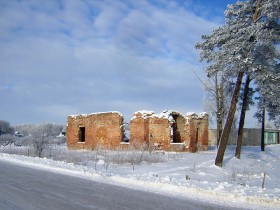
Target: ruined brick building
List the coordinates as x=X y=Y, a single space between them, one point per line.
x=169 y=131
x=90 y=131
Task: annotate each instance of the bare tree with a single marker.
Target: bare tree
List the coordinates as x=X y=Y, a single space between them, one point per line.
x=51 y=129
x=7 y=139
x=218 y=92
x=40 y=139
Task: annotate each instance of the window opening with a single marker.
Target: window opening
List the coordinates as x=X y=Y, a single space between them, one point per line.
x=125 y=129
x=82 y=134
x=196 y=137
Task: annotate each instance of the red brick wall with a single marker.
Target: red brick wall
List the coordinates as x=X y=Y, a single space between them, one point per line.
x=101 y=129
x=197 y=133
x=139 y=130
x=159 y=126
x=203 y=134
x=160 y=130
x=191 y=145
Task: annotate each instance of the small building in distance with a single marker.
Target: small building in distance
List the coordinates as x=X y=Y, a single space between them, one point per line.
x=18 y=134
x=169 y=131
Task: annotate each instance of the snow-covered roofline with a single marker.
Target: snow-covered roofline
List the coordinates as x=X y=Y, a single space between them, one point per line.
x=190 y=113
x=167 y=114
x=144 y=112
x=197 y=116
x=96 y=113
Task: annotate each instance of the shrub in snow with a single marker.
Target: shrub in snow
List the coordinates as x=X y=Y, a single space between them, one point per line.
x=7 y=139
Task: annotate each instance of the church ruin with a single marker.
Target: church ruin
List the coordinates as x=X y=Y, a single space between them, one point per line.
x=168 y=131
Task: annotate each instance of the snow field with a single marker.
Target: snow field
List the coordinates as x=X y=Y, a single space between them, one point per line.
x=238 y=183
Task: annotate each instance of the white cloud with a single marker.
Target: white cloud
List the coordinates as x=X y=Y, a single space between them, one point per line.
x=91 y=56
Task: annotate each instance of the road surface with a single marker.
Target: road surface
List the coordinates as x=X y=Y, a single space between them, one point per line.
x=28 y=188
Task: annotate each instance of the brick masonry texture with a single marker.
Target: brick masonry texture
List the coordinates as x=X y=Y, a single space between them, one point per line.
x=101 y=129
x=169 y=131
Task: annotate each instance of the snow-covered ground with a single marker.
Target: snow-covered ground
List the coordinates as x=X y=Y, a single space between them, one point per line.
x=238 y=183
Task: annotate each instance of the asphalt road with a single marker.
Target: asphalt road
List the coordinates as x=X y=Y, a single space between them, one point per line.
x=28 y=188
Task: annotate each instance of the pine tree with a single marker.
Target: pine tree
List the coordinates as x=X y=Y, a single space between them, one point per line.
x=236 y=49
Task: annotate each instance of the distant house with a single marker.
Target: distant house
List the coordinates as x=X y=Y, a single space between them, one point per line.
x=169 y=131
x=61 y=135
x=18 y=134
x=272 y=136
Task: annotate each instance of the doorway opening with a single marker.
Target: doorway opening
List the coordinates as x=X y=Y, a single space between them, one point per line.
x=177 y=128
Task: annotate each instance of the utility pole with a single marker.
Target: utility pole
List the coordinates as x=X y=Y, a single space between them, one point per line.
x=263 y=125
x=255 y=19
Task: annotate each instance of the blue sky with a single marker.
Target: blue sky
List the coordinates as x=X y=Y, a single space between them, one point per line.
x=63 y=57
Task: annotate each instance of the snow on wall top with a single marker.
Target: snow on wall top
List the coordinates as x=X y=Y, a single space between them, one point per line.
x=197 y=116
x=190 y=113
x=143 y=113
x=203 y=114
x=167 y=114
x=96 y=113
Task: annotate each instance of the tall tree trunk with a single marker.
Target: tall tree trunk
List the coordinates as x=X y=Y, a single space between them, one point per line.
x=221 y=107
x=242 y=117
x=227 y=128
x=219 y=130
x=218 y=114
